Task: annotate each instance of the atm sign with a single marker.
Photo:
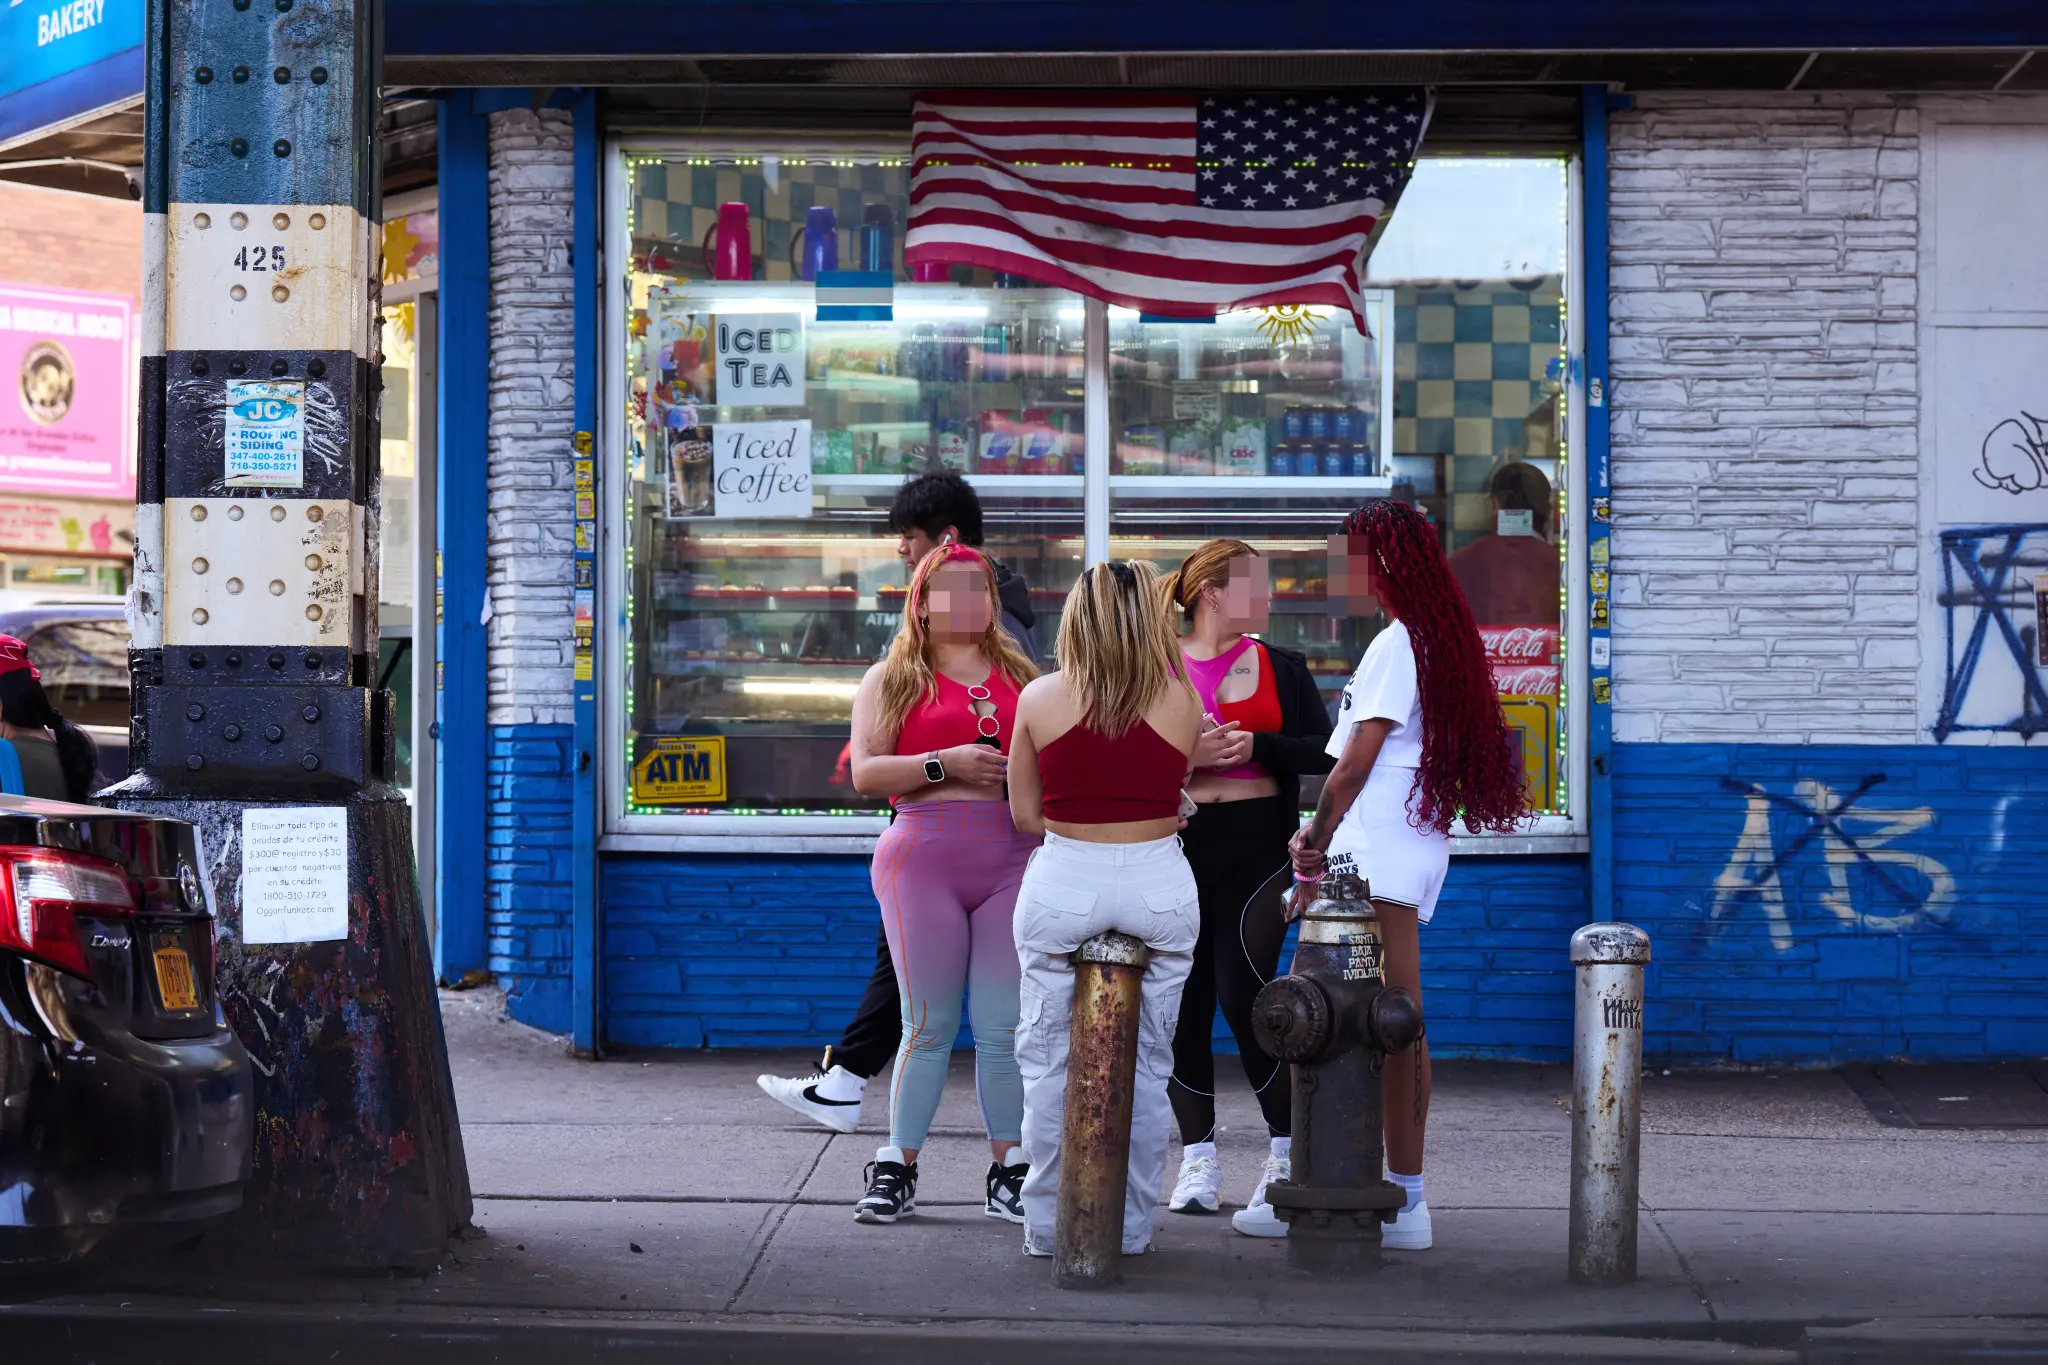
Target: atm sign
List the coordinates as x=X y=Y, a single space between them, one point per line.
x=681 y=772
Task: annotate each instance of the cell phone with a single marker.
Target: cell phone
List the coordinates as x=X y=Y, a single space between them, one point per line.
x=1187 y=805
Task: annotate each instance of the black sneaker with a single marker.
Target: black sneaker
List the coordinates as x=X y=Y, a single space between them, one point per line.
x=1006 y=1191
x=892 y=1191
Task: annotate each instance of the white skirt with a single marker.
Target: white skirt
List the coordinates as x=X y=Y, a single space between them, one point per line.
x=1376 y=843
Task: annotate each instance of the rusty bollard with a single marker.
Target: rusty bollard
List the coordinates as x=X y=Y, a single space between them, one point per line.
x=1095 y=1136
x=1607 y=1101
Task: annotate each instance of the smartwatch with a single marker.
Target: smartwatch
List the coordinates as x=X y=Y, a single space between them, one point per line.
x=934 y=771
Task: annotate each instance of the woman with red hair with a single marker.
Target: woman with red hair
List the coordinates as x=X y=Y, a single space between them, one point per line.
x=1420 y=744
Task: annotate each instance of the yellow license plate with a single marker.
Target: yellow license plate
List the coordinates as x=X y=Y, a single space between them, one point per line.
x=174 y=979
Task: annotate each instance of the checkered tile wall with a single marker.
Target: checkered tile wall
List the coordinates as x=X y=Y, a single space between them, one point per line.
x=1476 y=377
x=675 y=204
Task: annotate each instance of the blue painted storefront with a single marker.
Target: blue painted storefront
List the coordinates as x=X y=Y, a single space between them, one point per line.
x=1911 y=921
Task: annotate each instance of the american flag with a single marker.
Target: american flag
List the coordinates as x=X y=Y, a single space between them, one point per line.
x=1175 y=204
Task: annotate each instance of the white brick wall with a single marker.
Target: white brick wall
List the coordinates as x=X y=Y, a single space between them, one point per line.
x=1765 y=418
x=532 y=501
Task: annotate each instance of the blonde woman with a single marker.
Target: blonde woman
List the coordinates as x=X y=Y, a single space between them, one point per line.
x=931 y=725
x=1101 y=754
x=1266 y=728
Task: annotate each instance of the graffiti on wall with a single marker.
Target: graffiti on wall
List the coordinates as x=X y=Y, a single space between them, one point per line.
x=1867 y=883
x=1994 y=678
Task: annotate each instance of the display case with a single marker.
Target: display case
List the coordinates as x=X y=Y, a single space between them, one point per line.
x=749 y=607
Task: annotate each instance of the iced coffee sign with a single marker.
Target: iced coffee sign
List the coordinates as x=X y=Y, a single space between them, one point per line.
x=760 y=359
x=741 y=469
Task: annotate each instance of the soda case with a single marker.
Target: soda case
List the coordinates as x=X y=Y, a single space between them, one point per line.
x=1242 y=448
x=1000 y=450
x=1142 y=450
x=1191 y=448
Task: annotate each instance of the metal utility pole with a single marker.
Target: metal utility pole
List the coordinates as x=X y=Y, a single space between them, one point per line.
x=254 y=616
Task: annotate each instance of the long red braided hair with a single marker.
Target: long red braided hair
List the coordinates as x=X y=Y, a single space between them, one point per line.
x=1469 y=769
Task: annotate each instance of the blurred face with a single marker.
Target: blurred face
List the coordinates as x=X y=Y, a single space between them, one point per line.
x=1352 y=589
x=956 y=603
x=1244 y=604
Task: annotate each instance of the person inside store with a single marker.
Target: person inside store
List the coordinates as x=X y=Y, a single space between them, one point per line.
x=1098 y=764
x=1510 y=576
x=1264 y=728
x=932 y=723
x=929 y=511
x=44 y=754
x=1420 y=744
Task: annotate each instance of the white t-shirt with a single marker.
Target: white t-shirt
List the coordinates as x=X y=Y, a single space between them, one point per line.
x=1384 y=688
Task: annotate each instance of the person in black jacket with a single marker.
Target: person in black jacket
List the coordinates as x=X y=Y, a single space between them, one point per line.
x=929 y=511
x=1267 y=727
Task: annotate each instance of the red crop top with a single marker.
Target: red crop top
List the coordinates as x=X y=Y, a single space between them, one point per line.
x=948 y=719
x=1090 y=779
x=1260 y=712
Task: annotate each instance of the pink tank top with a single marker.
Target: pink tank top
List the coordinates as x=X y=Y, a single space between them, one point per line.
x=1250 y=714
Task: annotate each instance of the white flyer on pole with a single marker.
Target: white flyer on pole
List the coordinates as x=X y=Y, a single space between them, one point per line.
x=264 y=438
x=295 y=874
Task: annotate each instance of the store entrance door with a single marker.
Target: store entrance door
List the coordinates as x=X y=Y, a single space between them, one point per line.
x=407 y=601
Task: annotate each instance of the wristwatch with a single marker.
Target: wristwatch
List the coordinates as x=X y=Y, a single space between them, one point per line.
x=934 y=771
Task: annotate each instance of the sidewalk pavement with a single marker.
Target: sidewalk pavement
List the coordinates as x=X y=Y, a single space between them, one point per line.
x=656 y=1194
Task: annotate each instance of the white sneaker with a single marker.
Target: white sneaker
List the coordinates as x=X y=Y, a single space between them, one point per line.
x=1409 y=1231
x=1195 y=1191
x=821 y=1098
x=1256 y=1218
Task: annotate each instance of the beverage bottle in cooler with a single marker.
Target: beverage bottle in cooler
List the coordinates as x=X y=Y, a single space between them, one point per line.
x=994 y=346
x=1308 y=459
x=1344 y=424
x=1280 y=462
x=1294 y=426
x=1316 y=424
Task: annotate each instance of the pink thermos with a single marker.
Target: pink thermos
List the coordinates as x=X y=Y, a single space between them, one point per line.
x=731 y=253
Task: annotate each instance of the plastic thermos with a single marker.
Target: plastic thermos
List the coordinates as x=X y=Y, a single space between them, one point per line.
x=931 y=272
x=877 y=232
x=731 y=256
x=821 y=242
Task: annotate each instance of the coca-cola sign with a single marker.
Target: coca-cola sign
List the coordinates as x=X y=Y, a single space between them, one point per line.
x=1519 y=644
x=1525 y=680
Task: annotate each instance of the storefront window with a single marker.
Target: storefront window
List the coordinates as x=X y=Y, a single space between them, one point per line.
x=752 y=607
x=765 y=443
x=1265 y=426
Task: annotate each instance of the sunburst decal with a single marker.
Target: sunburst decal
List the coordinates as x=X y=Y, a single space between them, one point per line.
x=1284 y=324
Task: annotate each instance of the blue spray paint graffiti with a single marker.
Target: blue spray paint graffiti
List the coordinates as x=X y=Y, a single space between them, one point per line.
x=1982 y=582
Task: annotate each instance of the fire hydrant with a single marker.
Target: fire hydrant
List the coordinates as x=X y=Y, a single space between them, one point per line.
x=1334 y=1019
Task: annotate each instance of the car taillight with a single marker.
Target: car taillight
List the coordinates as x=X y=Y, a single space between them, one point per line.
x=45 y=890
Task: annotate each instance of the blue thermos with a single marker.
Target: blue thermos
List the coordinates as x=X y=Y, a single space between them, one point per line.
x=820 y=242
x=877 y=231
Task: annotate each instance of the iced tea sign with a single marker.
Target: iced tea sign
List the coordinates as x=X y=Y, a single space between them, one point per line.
x=760 y=359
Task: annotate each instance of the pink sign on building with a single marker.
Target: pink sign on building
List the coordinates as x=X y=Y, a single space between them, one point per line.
x=67 y=385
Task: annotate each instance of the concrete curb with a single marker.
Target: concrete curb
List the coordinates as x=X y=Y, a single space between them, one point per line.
x=64 y=1334
x=1950 y=1341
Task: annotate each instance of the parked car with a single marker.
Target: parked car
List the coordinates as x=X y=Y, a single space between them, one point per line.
x=80 y=645
x=126 y=1103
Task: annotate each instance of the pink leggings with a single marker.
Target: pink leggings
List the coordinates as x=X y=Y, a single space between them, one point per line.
x=946 y=873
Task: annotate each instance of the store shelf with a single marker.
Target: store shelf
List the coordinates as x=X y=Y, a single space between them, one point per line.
x=1008 y=485
x=1161 y=486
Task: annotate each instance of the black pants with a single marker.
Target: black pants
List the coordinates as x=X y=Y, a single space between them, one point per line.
x=1238 y=850
x=876 y=1029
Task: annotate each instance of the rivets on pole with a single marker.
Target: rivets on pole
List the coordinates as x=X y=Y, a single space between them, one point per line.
x=280 y=367
x=199 y=365
x=283 y=75
x=195 y=712
x=311 y=713
x=237 y=367
x=238 y=220
x=311 y=761
x=237 y=293
x=241 y=75
x=281 y=147
x=204 y=75
x=319 y=76
x=273 y=733
x=281 y=221
x=279 y=293
x=239 y=147
x=316 y=368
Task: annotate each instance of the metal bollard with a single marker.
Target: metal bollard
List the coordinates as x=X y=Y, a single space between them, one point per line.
x=1334 y=1019
x=1607 y=1101
x=1095 y=1135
